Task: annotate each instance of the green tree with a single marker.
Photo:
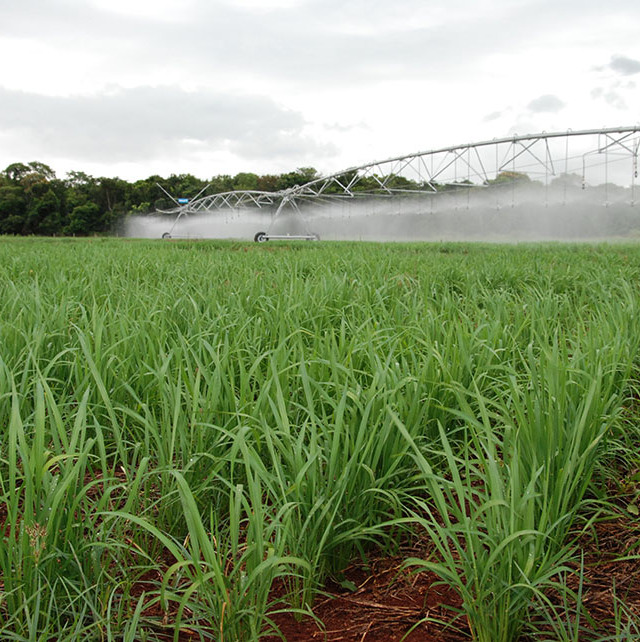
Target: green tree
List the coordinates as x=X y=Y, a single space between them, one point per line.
x=16 y=171
x=43 y=215
x=301 y=176
x=268 y=183
x=221 y=183
x=83 y=219
x=509 y=177
x=13 y=209
x=245 y=181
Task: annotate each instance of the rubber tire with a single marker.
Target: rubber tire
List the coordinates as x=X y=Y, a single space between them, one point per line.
x=166 y=235
x=261 y=237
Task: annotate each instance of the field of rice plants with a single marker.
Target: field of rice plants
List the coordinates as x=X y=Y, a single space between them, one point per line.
x=219 y=441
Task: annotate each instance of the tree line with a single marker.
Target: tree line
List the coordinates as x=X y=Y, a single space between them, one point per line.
x=33 y=200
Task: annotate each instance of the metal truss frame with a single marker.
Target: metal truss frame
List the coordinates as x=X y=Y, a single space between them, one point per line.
x=540 y=156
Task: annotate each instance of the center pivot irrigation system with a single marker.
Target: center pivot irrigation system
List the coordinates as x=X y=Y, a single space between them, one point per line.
x=593 y=157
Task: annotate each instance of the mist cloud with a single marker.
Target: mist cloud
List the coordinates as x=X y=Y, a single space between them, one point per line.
x=564 y=212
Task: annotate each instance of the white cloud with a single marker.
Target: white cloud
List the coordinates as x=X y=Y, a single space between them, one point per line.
x=320 y=82
x=625 y=66
x=546 y=103
x=174 y=11
x=133 y=124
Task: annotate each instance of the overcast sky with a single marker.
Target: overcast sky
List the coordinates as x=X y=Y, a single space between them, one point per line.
x=132 y=88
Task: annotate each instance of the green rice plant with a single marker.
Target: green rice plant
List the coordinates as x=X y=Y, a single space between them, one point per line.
x=334 y=460
x=570 y=621
x=485 y=547
x=563 y=619
x=48 y=564
x=223 y=572
x=330 y=497
x=626 y=624
x=500 y=511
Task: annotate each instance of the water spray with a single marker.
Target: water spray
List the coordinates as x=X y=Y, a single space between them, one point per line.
x=428 y=183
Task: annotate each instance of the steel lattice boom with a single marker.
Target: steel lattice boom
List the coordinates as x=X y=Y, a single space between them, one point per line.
x=593 y=157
